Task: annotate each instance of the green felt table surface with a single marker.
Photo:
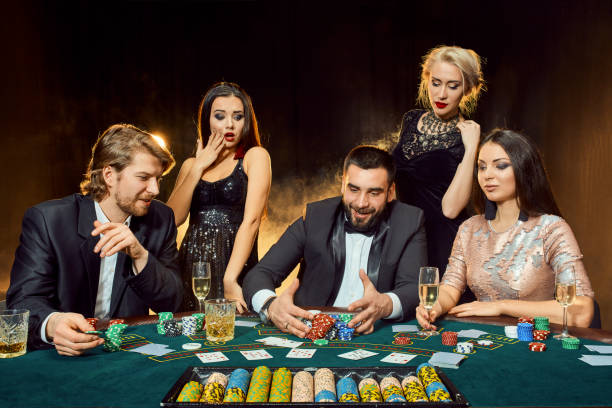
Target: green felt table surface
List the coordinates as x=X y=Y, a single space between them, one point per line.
x=503 y=374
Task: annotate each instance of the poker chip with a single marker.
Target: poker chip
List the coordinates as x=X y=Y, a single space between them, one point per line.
x=321 y=342
x=320 y=326
x=191 y=346
x=525 y=319
x=369 y=391
x=116 y=321
x=525 y=331
x=200 y=322
x=190 y=325
x=511 y=332
x=332 y=334
x=570 y=343
x=449 y=338
x=464 y=347
x=535 y=346
x=485 y=342
x=165 y=316
x=402 y=340
x=391 y=390
x=171 y=328
x=541 y=323
x=345 y=333
x=540 y=334
x=93 y=322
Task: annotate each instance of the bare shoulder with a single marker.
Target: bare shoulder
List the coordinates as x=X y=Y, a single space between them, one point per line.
x=257 y=155
x=187 y=164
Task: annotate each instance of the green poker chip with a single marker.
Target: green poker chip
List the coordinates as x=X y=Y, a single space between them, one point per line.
x=165 y=316
x=321 y=342
x=570 y=343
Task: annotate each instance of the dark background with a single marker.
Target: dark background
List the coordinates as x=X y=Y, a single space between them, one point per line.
x=323 y=76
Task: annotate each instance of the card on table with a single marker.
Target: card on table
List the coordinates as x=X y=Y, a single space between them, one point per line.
x=599 y=349
x=256 y=354
x=246 y=323
x=596 y=360
x=152 y=349
x=280 y=342
x=404 y=328
x=446 y=360
x=301 y=353
x=398 y=358
x=472 y=333
x=357 y=354
x=212 y=357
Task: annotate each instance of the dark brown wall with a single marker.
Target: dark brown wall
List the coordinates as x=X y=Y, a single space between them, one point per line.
x=323 y=76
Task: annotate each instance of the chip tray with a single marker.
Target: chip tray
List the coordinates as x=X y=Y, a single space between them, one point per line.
x=201 y=374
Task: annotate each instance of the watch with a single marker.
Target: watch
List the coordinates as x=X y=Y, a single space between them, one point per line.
x=263 y=312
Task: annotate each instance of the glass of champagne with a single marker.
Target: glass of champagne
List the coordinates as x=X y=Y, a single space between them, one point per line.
x=200 y=281
x=429 y=282
x=565 y=293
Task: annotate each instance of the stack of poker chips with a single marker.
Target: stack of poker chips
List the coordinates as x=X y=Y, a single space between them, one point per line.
x=436 y=391
x=525 y=331
x=332 y=333
x=259 y=388
x=524 y=319
x=540 y=334
x=391 y=390
x=320 y=326
x=369 y=391
x=511 y=332
x=324 y=386
x=116 y=321
x=280 y=390
x=199 y=321
x=346 y=389
x=93 y=322
x=402 y=340
x=214 y=388
x=302 y=389
x=163 y=316
x=449 y=338
x=191 y=392
x=465 y=347
x=171 y=328
x=237 y=386
x=112 y=342
x=413 y=390
x=190 y=325
x=541 y=323
x=536 y=346
x=570 y=343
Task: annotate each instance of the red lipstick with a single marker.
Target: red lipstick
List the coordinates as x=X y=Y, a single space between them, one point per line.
x=441 y=105
x=229 y=137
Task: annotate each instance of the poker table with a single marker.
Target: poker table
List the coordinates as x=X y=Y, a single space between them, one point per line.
x=504 y=373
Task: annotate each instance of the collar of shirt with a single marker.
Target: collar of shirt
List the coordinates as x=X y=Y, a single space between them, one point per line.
x=104 y=219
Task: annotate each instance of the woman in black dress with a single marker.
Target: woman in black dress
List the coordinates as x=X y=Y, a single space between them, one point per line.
x=224 y=190
x=437 y=148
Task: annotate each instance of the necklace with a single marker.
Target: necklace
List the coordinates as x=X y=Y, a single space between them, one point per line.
x=433 y=125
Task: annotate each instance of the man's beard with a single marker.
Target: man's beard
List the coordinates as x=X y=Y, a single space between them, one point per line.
x=128 y=205
x=367 y=225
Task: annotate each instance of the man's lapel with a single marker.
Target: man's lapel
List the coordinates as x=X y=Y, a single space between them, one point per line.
x=91 y=260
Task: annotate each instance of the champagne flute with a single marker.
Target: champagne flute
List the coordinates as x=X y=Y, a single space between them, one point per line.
x=429 y=282
x=565 y=293
x=200 y=281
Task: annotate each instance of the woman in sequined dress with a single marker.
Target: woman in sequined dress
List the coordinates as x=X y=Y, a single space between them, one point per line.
x=436 y=151
x=224 y=190
x=509 y=254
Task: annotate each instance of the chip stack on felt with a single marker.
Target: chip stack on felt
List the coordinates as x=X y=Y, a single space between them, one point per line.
x=541 y=323
x=525 y=331
x=112 y=342
x=540 y=334
x=320 y=326
x=171 y=328
x=465 y=347
x=163 y=316
x=449 y=338
x=536 y=346
x=190 y=325
x=570 y=343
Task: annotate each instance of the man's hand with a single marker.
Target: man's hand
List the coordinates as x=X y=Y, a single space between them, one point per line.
x=476 y=309
x=119 y=237
x=284 y=313
x=66 y=330
x=374 y=305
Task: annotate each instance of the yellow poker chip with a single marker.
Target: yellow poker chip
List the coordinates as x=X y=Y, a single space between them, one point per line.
x=191 y=346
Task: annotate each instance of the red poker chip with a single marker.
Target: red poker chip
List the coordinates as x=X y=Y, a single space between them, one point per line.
x=402 y=340
x=93 y=322
x=525 y=319
x=535 y=346
x=116 y=321
x=449 y=338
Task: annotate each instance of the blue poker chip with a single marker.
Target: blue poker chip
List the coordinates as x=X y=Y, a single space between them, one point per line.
x=525 y=331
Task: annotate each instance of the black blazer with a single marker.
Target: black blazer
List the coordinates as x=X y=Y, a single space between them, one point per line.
x=56 y=270
x=310 y=240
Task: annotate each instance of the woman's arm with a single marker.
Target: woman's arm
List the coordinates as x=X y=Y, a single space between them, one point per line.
x=580 y=313
x=258 y=169
x=448 y=297
x=458 y=193
x=190 y=174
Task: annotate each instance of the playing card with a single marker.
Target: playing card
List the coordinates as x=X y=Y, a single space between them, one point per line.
x=357 y=354
x=472 y=333
x=256 y=354
x=212 y=357
x=246 y=323
x=404 y=328
x=398 y=358
x=152 y=349
x=301 y=353
x=280 y=342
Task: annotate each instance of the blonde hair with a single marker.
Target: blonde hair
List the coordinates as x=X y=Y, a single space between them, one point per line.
x=469 y=64
x=116 y=147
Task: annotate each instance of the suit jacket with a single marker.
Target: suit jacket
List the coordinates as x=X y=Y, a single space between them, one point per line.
x=317 y=242
x=56 y=270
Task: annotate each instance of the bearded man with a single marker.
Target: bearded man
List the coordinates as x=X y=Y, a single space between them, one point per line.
x=108 y=252
x=362 y=250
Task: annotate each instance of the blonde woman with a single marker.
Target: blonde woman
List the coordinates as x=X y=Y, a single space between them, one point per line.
x=437 y=147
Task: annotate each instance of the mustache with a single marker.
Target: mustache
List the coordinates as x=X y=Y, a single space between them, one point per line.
x=363 y=211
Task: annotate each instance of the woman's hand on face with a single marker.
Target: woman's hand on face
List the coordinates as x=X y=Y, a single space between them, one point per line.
x=476 y=309
x=470 y=134
x=233 y=291
x=205 y=156
x=426 y=318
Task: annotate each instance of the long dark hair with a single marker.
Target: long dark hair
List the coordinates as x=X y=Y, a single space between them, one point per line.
x=250 y=131
x=535 y=197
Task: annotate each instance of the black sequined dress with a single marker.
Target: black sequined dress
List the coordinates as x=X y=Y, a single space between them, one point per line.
x=217 y=210
x=426 y=165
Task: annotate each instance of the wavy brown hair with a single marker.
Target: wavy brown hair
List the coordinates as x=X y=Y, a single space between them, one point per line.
x=116 y=147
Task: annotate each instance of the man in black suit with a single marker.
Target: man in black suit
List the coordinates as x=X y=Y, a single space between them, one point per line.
x=336 y=242
x=109 y=252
